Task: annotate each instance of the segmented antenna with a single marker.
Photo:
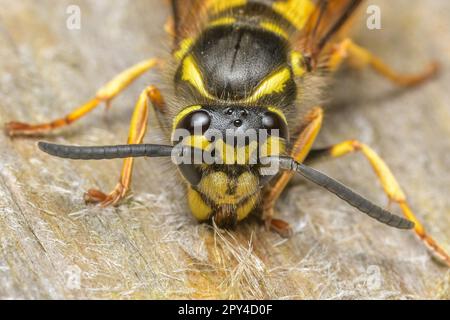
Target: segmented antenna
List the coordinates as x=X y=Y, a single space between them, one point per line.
x=106 y=152
x=346 y=194
x=286 y=163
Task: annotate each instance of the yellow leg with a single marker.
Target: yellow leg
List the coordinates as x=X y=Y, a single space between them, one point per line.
x=138 y=128
x=390 y=186
x=310 y=130
x=105 y=94
x=361 y=57
x=169 y=27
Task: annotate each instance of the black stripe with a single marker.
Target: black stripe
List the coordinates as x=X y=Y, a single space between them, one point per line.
x=339 y=23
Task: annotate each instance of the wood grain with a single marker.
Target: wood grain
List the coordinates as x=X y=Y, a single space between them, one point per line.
x=151 y=247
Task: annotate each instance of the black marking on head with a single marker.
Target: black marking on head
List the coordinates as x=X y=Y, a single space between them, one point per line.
x=234 y=120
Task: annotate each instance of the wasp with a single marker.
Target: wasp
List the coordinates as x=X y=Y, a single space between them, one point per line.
x=240 y=65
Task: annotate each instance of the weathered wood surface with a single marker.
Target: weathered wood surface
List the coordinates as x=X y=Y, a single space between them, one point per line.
x=151 y=247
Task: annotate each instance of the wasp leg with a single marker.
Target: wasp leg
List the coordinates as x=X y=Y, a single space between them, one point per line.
x=302 y=146
x=138 y=128
x=361 y=57
x=169 y=27
x=390 y=185
x=105 y=94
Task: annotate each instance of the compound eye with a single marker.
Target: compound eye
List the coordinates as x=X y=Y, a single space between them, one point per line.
x=197 y=122
x=272 y=121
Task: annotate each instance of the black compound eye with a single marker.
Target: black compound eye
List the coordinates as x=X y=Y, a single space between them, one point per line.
x=196 y=122
x=272 y=121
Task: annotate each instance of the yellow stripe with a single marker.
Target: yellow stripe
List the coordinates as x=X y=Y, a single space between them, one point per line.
x=233 y=154
x=217 y=6
x=199 y=208
x=244 y=209
x=229 y=154
x=191 y=73
x=185 y=46
x=183 y=114
x=297 y=63
x=197 y=142
x=273 y=27
x=216 y=184
x=275 y=83
x=278 y=112
x=296 y=12
x=222 y=22
x=273 y=146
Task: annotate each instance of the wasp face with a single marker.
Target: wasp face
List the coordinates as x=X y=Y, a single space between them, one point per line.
x=232 y=122
x=233 y=136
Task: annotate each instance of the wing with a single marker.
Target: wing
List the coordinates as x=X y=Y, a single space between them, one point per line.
x=327 y=21
x=329 y=17
x=187 y=16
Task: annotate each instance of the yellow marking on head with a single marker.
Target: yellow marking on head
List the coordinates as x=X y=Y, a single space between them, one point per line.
x=296 y=12
x=217 y=6
x=225 y=21
x=198 y=142
x=183 y=113
x=235 y=155
x=199 y=208
x=274 y=83
x=274 y=28
x=273 y=146
x=278 y=112
x=216 y=187
x=185 y=46
x=245 y=208
x=297 y=63
x=192 y=74
x=247 y=183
